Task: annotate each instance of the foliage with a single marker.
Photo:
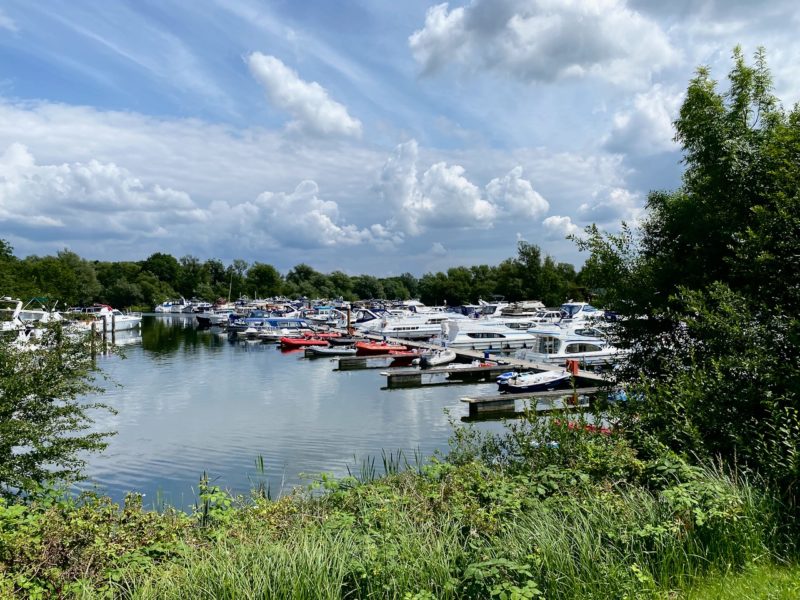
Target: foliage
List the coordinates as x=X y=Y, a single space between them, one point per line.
x=709 y=288
x=43 y=417
x=73 y=281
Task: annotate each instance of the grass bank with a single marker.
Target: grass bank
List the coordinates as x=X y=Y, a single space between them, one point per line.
x=543 y=510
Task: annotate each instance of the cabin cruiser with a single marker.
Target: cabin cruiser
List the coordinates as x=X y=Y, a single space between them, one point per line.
x=573 y=312
x=403 y=326
x=96 y=313
x=556 y=344
x=479 y=335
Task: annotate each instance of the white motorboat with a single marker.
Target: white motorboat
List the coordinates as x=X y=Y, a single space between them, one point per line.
x=534 y=382
x=409 y=326
x=481 y=335
x=10 y=309
x=435 y=358
x=557 y=344
x=98 y=313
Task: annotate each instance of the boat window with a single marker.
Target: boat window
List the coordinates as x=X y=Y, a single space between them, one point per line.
x=547 y=344
x=582 y=347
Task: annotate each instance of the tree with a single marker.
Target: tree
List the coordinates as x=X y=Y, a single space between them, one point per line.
x=264 y=280
x=710 y=286
x=43 y=420
x=163 y=266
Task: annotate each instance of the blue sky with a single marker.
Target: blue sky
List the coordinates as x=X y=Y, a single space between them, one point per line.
x=372 y=137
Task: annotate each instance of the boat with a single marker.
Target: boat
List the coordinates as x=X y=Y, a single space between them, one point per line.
x=404 y=324
x=367 y=348
x=480 y=335
x=436 y=357
x=301 y=342
x=556 y=344
x=535 y=382
x=10 y=309
x=343 y=341
x=332 y=350
x=99 y=313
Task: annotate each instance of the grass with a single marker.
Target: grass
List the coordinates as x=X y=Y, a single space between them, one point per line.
x=501 y=518
x=757 y=582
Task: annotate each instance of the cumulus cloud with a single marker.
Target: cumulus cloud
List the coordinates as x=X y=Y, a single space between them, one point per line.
x=438 y=249
x=444 y=198
x=558 y=227
x=81 y=200
x=517 y=195
x=86 y=197
x=646 y=128
x=308 y=103
x=544 y=40
x=618 y=205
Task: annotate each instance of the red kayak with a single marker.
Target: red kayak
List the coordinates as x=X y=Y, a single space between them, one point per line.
x=367 y=348
x=287 y=342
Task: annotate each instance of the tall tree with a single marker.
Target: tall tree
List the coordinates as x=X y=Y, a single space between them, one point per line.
x=710 y=283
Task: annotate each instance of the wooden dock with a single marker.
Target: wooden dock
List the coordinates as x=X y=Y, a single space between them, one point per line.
x=504 y=403
x=419 y=377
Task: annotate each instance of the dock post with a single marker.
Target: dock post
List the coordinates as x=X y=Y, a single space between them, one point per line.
x=93 y=340
x=105 y=331
x=113 y=328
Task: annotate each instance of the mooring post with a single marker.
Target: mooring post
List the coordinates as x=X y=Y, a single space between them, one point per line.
x=113 y=328
x=93 y=340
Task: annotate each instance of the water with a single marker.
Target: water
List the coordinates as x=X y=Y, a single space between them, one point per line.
x=190 y=402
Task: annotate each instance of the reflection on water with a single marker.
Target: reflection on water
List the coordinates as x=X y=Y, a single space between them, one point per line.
x=190 y=401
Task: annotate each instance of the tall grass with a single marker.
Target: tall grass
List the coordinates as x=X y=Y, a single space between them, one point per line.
x=408 y=536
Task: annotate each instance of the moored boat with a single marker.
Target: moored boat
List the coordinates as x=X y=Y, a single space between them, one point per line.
x=367 y=348
x=535 y=382
x=301 y=342
x=332 y=350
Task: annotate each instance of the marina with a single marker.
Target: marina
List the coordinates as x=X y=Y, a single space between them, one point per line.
x=193 y=400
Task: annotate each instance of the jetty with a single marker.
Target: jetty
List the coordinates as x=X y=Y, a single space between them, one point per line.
x=540 y=402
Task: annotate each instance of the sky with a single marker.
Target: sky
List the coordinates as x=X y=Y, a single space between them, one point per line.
x=372 y=137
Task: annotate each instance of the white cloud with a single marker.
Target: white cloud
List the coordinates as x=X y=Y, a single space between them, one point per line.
x=545 y=40
x=618 y=205
x=443 y=197
x=438 y=249
x=558 y=227
x=647 y=128
x=7 y=22
x=83 y=198
x=517 y=195
x=313 y=110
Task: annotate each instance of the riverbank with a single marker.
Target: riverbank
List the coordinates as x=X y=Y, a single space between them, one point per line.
x=556 y=511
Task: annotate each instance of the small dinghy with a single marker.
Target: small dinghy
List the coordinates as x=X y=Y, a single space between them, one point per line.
x=367 y=348
x=332 y=350
x=288 y=343
x=436 y=358
x=536 y=382
x=343 y=341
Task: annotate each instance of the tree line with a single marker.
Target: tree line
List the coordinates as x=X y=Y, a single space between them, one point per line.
x=74 y=281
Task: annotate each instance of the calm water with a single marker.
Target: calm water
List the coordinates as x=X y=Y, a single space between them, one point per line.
x=190 y=401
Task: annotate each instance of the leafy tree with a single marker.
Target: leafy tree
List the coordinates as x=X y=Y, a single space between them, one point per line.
x=163 y=266
x=264 y=280
x=43 y=420
x=367 y=286
x=710 y=283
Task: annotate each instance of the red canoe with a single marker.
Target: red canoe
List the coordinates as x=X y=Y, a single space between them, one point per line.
x=287 y=342
x=366 y=348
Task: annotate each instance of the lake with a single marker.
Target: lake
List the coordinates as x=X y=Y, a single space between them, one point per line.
x=190 y=401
